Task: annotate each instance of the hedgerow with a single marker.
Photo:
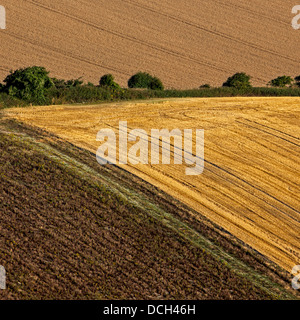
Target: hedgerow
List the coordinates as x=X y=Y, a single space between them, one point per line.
x=33 y=86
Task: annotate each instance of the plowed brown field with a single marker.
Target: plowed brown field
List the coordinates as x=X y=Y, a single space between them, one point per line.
x=250 y=185
x=71 y=229
x=184 y=42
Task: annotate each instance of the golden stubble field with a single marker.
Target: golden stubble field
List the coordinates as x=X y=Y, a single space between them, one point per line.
x=250 y=184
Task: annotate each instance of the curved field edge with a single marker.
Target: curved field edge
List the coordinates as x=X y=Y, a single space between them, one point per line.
x=249 y=185
x=215 y=249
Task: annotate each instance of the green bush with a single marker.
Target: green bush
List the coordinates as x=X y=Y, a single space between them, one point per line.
x=7 y=101
x=60 y=83
x=144 y=80
x=156 y=84
x=282 y=81
x=239 y=81
x=73 y=83
x=205 y=86
x=107 y=81
x=29 y=84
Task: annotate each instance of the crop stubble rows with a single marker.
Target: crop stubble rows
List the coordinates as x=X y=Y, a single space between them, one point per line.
x=184 y=43
x=250 y=185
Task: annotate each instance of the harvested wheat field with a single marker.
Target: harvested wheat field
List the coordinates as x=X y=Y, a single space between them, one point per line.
x=183 y=42
x=250 y=184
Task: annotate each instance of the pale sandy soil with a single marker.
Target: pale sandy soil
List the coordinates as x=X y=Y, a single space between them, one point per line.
x=184 y=42
x=250 y=184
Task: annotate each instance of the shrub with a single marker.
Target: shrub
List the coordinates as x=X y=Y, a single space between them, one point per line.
x=205 y=86
x=7 y=101
x=239 y=81
x=140 y=80
x=297 y=81
x=156 y=84
x=58 y=83
x=107 y=81
x=29 y=84
x=61 y=84
x=146 y=81
x=282 y=81
x=73 y=83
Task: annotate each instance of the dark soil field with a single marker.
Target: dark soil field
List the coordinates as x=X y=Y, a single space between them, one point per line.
x=70 y=229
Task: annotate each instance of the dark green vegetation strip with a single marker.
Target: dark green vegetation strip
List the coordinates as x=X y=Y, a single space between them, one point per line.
x=93 y=94
x=73 y=229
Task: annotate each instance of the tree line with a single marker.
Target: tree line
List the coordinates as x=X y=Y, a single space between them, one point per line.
x=33 y=84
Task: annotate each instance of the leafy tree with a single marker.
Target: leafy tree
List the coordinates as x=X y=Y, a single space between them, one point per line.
x=146 y=81
x=297 y=81
x=156 y=84
x=282 y=81
x=107 y=81
x=140 y=80
x=29 y=84
x=239 y=81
